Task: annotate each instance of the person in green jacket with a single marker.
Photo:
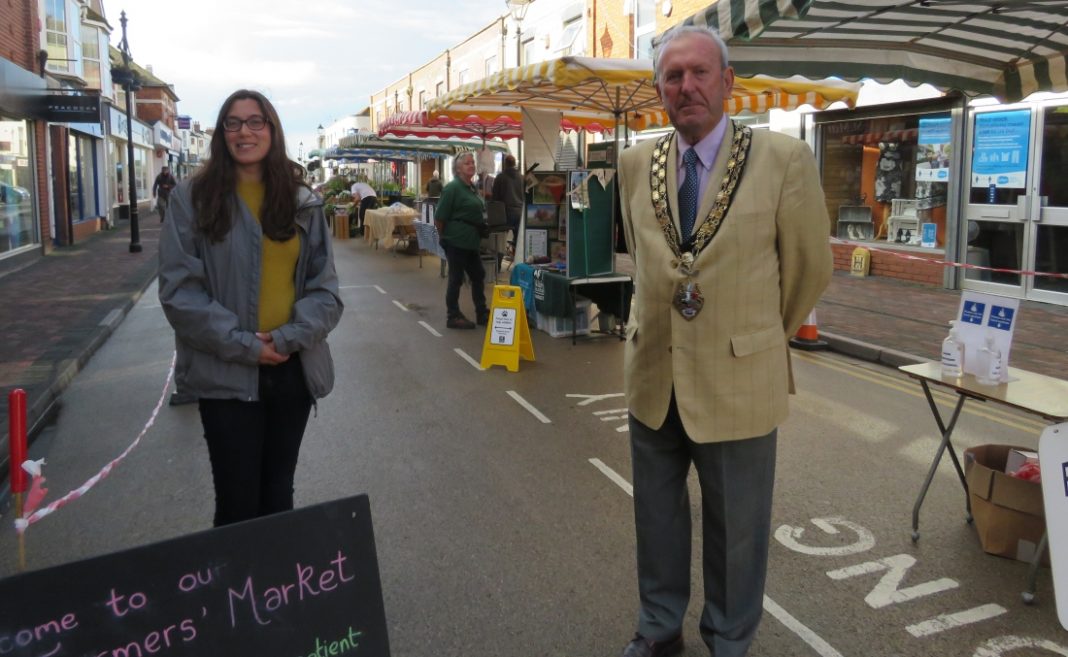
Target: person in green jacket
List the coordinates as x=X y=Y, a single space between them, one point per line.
x=460 y=213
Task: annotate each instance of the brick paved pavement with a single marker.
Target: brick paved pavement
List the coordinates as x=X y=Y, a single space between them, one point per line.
x=60 y=309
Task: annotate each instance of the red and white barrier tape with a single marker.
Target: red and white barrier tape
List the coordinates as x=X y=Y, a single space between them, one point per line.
x=38 y=491
x=949 y=263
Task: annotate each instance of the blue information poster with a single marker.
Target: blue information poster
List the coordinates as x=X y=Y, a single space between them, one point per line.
x=999 y=153
x=933 y=150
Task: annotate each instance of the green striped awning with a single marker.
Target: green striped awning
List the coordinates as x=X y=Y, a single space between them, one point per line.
x=1004 y=48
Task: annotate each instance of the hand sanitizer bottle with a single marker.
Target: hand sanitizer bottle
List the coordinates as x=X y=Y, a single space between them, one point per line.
x=989 y=372
x=952 y=354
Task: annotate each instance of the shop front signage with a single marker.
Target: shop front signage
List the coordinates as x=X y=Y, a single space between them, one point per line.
x=58 y=108
x=1000 y=150
x=163 y=136
x=142 y=134
x=184 y=122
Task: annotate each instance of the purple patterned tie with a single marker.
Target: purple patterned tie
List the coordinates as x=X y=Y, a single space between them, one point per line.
x=688 y=194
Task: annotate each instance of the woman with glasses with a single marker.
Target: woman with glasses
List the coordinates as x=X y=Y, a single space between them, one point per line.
x=460 y=216
x=247 y=281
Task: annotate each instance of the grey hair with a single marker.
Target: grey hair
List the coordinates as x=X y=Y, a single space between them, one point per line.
x=680 y=30
x=456 y=162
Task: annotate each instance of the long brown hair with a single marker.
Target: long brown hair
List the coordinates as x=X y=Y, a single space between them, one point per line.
x=215 y=184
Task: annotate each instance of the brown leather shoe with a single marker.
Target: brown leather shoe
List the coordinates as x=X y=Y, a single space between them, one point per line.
x=459 y=322
x=642 y=647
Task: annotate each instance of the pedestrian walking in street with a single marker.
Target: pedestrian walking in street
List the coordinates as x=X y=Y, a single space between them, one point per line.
x=161 y=190
x=460 y=218
x=247 y=281
x=714 y=214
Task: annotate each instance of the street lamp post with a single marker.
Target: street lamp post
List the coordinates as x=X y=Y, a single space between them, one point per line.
x=322 y=155
x=128 y=80
x=518 y=10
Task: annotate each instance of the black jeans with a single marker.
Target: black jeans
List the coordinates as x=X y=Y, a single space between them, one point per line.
x=463 y=261
x=365 y=203
x=253 y=446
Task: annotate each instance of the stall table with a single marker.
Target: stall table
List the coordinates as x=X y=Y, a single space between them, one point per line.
x=379 y=225
x=556 y=295
x=427 y=235
x=1030 y=392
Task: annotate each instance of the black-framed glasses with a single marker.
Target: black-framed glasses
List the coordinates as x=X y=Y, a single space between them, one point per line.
x=254 y=123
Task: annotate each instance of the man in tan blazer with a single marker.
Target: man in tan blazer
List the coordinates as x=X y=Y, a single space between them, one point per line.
x=731 y=251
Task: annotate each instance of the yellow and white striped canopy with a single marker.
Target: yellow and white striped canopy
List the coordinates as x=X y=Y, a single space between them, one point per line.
x=600 y=91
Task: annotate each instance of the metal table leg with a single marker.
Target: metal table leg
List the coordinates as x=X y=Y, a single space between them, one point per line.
x=947 y=433
x=1032 y=573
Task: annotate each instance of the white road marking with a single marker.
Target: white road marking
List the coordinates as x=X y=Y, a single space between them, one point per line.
x=613 y=410
x=430 y=328
x=380 y=290
x=808 y=636
x=945 y=622
x=474 y=363
x=888 y=592
x=790 y=537
x=400 y=305
x=795 y=626
x=623 y=429
x=614 y=476
x=530 y=407
x=613 y=418
x=589 y=399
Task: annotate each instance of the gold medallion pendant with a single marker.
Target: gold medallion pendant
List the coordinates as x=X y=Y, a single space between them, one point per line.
x=688 y=299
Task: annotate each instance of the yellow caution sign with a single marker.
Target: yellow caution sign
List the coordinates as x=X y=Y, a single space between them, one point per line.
x=861 y=262
x=507 y=334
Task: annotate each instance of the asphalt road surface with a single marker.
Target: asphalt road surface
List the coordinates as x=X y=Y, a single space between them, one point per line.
x=501 y=501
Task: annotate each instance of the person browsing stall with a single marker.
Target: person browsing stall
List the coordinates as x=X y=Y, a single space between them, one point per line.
x=728 y=230
x=460 y=220
x=508 y=189
x=247 y=281
x=368 y=199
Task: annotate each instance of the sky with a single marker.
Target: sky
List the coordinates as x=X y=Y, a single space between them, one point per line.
x=316 y=60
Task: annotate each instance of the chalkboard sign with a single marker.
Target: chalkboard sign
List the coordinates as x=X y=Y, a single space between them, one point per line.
x=297 y=584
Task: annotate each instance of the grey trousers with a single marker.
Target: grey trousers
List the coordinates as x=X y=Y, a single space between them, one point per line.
x=737 y=479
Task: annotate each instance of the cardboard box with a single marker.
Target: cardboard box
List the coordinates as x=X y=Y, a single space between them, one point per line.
x=1008 y=512
x=1018 y=457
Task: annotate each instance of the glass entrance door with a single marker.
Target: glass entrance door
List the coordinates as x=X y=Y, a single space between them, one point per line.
x=1016 y=213
x=1051 y=223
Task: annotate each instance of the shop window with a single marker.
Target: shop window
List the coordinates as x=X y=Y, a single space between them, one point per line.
x=884 y=178
x=17 y=225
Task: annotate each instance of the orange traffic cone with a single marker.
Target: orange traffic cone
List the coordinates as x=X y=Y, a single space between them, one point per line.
x=808 y=336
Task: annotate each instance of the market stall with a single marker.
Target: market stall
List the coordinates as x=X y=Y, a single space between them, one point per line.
x=568 y=222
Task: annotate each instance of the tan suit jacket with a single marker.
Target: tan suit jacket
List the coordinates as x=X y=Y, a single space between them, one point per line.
x=760 y=276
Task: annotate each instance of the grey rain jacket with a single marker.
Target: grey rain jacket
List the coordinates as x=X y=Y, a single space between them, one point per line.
x=210 y=294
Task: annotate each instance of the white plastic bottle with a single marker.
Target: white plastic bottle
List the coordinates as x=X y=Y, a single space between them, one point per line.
x=952 y=354
x=989 y=372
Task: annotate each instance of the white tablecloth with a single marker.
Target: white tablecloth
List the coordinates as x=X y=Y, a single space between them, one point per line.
x=379 y=225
